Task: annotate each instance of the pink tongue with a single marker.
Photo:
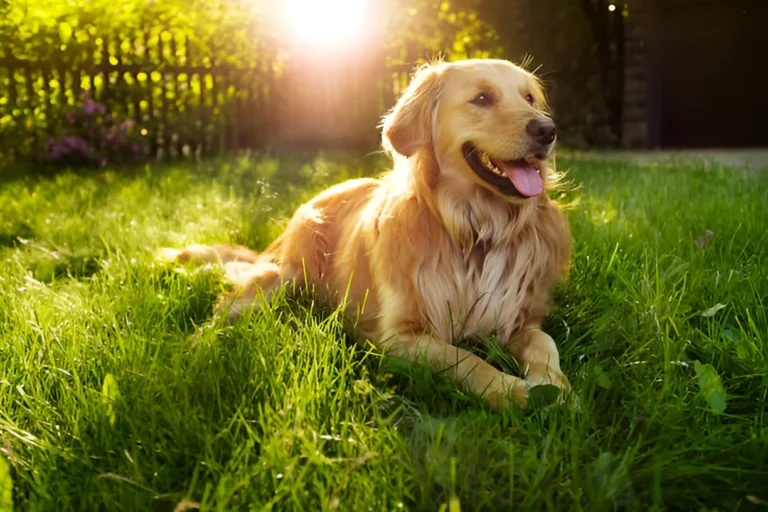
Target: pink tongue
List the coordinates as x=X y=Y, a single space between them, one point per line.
x=526 y=180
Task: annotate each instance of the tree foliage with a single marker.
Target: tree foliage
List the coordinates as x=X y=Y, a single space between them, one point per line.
x=421 y=29
x=574 y=44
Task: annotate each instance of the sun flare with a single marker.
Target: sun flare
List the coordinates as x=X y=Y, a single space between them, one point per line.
x=325 y=22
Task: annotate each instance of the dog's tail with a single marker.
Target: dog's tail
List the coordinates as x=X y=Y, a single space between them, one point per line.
x=219 y=254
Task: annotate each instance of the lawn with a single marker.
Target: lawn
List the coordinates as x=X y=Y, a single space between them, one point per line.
x=114 y=396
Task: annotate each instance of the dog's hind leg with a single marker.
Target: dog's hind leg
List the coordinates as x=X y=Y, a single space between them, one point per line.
x=298 y=256
x=254 y=284
x=255 y=276
x=219 y=254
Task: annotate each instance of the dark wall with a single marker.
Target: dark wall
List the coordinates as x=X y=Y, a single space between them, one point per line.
x=558 y=37
x=713 y=73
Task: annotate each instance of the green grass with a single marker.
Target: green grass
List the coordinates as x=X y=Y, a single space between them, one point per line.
x=113 y=398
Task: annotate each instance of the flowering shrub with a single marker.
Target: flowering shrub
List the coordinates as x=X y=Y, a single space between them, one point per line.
x=92 y=136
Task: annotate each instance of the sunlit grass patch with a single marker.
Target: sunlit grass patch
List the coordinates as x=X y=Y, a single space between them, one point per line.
x=116 y=394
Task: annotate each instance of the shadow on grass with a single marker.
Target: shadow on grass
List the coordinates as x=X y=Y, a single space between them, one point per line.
x=76 y=266
x=14 y=235
x=284 y=168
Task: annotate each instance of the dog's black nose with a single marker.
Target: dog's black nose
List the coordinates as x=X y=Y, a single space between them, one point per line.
x=542 y=130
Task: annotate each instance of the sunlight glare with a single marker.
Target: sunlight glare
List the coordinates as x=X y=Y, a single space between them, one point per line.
x=325 y=22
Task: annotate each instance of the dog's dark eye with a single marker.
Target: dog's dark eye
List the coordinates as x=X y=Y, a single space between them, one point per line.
x=529 y=98
x=482 y=99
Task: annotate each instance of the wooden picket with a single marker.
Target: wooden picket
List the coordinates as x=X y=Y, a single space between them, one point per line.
x=187 y=102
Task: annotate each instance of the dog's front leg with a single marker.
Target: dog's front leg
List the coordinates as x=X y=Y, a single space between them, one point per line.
x=537 y=353
x=462 y=367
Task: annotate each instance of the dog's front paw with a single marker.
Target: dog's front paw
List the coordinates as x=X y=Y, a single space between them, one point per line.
x=168 y=255
x=547 y=380
x=506 y=390
x=538 y=374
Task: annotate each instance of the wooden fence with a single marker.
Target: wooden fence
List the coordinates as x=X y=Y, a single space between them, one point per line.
x=184 y=101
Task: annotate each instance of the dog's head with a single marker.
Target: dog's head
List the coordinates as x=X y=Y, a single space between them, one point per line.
x=485 y=120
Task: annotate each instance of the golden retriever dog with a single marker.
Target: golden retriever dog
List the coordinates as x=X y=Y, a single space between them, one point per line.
x=458 y=239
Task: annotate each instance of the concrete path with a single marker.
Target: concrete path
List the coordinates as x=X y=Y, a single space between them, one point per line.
x=753 y=159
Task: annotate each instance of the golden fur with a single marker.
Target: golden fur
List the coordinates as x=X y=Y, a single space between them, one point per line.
x=431 y=253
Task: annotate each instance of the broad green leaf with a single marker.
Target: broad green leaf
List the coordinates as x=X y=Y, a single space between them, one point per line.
x=744 y=349
x=718 y=402
x=543 y=395
x=6 y=487
x=603 y=380
x=602 y=469
x=711 y=386
x=732 y=334
x=110 y=394
x=713 y=310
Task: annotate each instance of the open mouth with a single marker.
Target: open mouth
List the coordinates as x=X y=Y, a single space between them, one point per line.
x=510 y=177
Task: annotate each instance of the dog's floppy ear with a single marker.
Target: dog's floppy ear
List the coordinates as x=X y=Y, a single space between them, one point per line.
x=409 y=125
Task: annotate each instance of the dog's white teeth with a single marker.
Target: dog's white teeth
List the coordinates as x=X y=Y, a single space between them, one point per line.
x=488 y=163
x=538 y=171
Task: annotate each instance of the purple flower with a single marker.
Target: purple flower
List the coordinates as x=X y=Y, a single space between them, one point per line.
x=135 y=148
x=89 y=106
x=59 y=150
x=74 y=142
x=79 y=144
x=110 y=136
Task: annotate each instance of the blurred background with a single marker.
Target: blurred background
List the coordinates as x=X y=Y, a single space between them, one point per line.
x=92 y=82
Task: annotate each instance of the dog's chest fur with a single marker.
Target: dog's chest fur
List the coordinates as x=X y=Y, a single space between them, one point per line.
x=482 y=285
